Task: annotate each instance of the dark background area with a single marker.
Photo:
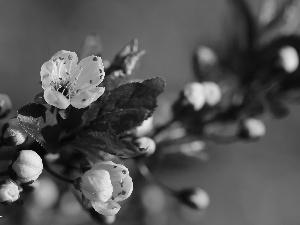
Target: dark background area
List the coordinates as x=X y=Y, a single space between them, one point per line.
x=250 y=184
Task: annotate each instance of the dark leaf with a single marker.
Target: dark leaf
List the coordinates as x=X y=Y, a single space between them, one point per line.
x=93 y=142
x=133 y=96
x=33 y=118
x=120 y=121
x=91 y=114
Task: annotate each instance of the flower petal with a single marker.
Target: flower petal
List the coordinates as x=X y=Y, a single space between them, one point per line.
x=90 y=71
x=65 y=63
x=56 y=99
x=85 y=98
x=108 y=208
x=117 y=172
x=96 y=185
x=46 y=71
x=122 y=189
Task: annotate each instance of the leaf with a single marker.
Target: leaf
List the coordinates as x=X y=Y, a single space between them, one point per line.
x=33 y=118
x=133 y=96
x=93 y=142
x=120 y=121
x=41 y=124
x=91 y=114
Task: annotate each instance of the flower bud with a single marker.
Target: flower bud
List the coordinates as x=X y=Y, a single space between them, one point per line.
x=105 y=184
x=145 y=128
x=9 y=191
x=195 y=198
x=194 y=95
x=5 y=105
x=13 y=134
x=28 y=166
x=212 y=93
x=192 y=148
x=206 y=56
x=127 y=58
x=289 y=59
x=146 y=143
x=252 y=128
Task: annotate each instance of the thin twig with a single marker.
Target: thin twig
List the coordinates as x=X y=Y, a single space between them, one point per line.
x=53 y=173
x=144 y=170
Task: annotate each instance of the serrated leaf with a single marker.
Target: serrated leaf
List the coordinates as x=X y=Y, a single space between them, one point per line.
x=131 y=97
x=93 y=142
x=120 y=121
x=134 y=96
x=91 y=114
x=33 y=118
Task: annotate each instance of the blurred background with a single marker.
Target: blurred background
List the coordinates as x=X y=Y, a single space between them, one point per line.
x=249 y=183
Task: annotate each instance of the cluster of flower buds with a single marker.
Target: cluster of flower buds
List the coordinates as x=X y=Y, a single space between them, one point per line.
x=198 y=94
x=195 y=198
x=126 y=60
x=24 y=170
x=104 y=185
x=13 y=134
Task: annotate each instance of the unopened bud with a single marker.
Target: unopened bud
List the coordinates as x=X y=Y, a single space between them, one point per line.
x=28 y=166
x=289 y=59
x=195 y=198
x=252 y=128
x=5 y=105
x=128 y=57
x=194 y=95
x=146 y=143
x=9 y=191
x=192 y=148
x=206 y=56
x=13 y=134
x=212 y=93
x=145 y=128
